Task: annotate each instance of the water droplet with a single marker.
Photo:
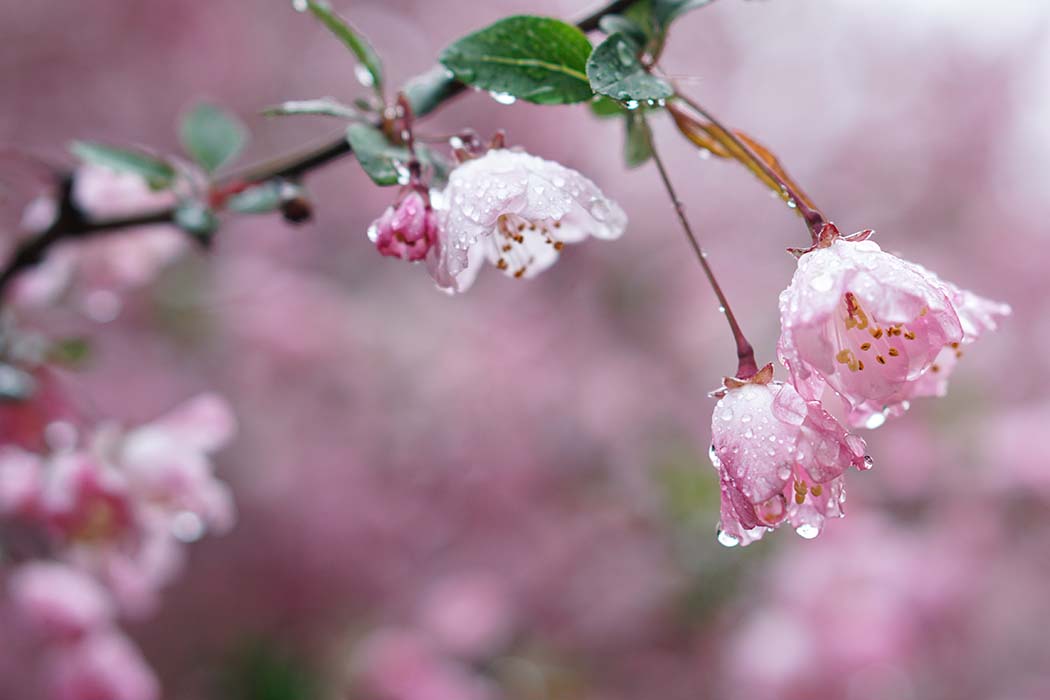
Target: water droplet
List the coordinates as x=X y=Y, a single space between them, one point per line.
x=727 y=540
x=792 y=203
x=721 y=309
x=822 y=282
x=784 y=472
x=875 y=420
x=745 y=418
x=364 y=76
x=714 y=457
x=187 y=526
x=631 y=104
x=625 y=54
x=504 y=98
x=404 y=176
x=868 y=463
x=749 y=433
x=705 y=154
x=558 y=181
x=807 y=531
x=727 y=414
x=300 y=5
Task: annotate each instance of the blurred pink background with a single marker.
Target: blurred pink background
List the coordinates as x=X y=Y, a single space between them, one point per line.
x=507 y=494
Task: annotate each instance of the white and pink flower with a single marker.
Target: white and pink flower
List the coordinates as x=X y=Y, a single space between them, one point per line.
x=780 y=459
x=873 y=327
x=516 y=211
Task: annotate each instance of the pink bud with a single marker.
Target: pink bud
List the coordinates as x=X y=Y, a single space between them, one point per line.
x=407 y=230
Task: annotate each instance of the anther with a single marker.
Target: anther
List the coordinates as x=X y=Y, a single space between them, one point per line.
x=816 y=489
x=894 y=352
x=880 y=359
x=865 y=346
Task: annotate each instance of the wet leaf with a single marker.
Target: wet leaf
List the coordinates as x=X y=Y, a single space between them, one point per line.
x=537 y=59
x=382 y=160
x=615 y=71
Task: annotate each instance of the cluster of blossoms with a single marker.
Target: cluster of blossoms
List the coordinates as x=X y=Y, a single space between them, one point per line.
x=95 y=527
x=857 y=322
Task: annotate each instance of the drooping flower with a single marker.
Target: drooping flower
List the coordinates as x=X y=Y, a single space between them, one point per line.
x=779 y=457
x=516 y=211
x=871 y=325
x=407 y=230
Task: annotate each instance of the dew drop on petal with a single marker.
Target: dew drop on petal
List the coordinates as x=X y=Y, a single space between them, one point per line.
x=868 y=462
x=822 y=283
x=807 y=531
x=875 y=420
x=784 y=472
x=705 y=154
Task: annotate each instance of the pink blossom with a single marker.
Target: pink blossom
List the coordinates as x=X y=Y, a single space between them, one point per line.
x=104 y=666
x=407 y=230
x=779 y=458
x=517 y=211
x=21 y=481
x=871 y=325
x=58 y=603
x=95 y=270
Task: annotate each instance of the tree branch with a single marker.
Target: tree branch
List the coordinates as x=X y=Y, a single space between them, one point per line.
x=70 y=223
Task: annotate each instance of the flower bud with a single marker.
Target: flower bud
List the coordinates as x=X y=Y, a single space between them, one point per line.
x=407 y=230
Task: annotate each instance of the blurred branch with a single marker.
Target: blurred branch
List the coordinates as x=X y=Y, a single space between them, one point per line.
x=71 y=223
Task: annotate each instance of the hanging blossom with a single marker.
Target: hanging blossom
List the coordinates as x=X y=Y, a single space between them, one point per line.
x=407 y=230
x=93 y=273
x=877 y=329
x=517 y=212
x=780 y=458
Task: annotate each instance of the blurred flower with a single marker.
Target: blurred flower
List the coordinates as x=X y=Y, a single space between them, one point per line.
x=407 y=230
x=869 y=325
x=104 y=666
x=58 y=603
x=779 y=458
x=517 y=211
x=95 y=271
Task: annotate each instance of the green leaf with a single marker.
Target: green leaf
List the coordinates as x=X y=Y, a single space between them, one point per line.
x=604 y=108
x=667 y=11
x=537 y=59
x=615 y=71
x=259 y=199
x=197 y=219
x=427 y=91
x=379 y=158
x=637 y=149
x=353 y=40
x=324 y=106
x=211 y=136
x=157 y=172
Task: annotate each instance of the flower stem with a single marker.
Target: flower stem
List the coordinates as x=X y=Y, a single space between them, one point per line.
x=746 y=365
x=815 y=220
